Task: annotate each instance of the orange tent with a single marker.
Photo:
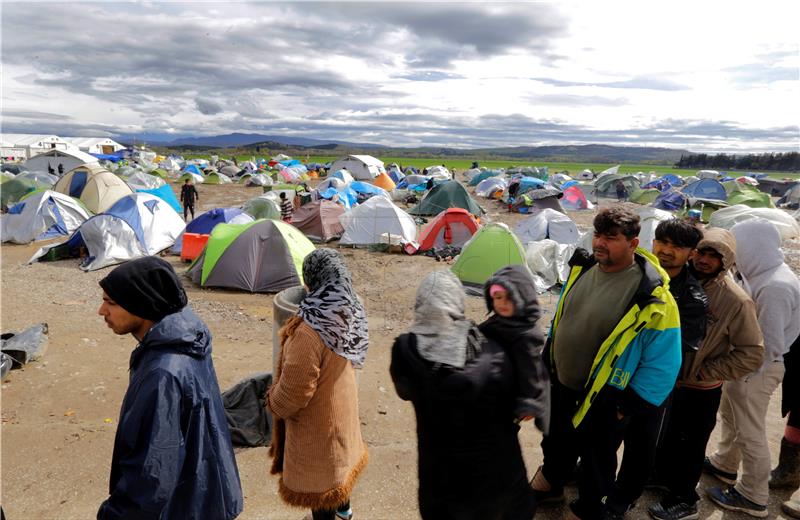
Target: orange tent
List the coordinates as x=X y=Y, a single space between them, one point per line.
x=384 y=181
x=451 y=227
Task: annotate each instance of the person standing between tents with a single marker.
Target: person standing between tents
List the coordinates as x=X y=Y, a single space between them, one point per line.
x=675 y=240
x=317 y=447
x=732 y=348
x=173 y=456
x=776 y=293
x=613 y=351
x=188 y=196
x=622 y=191
x=461 y=384
x=286 y=208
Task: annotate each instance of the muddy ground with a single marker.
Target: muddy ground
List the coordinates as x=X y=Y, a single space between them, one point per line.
x=59 y=414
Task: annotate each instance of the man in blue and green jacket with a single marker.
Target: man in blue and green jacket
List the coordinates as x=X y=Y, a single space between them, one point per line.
x=614 y=351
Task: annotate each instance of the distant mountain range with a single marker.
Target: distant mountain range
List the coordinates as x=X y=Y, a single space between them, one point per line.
x=559 y=153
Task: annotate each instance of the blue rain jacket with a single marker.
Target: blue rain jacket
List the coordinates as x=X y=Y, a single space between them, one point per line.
x=173 y=456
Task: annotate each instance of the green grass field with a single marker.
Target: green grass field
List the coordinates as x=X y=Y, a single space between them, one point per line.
x=554 y=167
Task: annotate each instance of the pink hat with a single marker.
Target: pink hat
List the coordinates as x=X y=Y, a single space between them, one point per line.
x=496 y=288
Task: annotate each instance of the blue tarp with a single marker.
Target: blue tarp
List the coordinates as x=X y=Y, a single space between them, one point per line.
x=363 y=187
x=674 y=180
x=706 y=189
x=107 y=157
x=669 y=200
x=193 y=168
x=166 y=194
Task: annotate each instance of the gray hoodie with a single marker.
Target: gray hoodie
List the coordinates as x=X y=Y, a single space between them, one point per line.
x=772 y=284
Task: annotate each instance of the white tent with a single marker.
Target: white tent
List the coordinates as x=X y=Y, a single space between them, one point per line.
x=708 y=174
x=549 y=262
x=364 y=224
x=95 y=144
x=439 y=173
x=144 y=181
x=51 y=160
x=547 y=223
x=138 y=225
x=650 y=218
x=728 y=217
x=34 y=144
x=42 y=216
x=362 y=167
x=586 y=175
x=489 y=186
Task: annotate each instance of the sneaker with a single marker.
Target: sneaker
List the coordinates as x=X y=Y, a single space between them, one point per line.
x=545 y=496
x=672 y=510
x=724 y=476
x=734 y=501
x=344 y=514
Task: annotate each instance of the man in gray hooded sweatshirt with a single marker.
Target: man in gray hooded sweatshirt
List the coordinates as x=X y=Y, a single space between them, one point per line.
x=776 y=292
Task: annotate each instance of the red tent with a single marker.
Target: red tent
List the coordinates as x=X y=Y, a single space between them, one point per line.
x=451 y=227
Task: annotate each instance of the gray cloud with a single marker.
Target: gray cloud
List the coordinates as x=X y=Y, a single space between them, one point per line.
x=208 y=107
x=638 y=82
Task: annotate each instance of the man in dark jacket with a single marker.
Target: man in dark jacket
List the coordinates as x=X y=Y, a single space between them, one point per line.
x=172 y=453
x=675 y=240
x=188 y=197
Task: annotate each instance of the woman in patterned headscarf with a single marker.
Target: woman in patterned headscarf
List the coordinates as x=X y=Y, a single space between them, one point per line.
x=317 y=446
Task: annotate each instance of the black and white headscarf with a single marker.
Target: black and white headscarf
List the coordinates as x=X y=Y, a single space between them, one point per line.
x=332 y=307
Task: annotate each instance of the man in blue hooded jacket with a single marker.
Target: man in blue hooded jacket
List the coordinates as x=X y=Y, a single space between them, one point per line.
x=173 y=456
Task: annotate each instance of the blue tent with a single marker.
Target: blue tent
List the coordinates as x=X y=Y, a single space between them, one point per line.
x=205 y=222
x=366 y=188
x=107 y=157
x=659 y=184
x=193 y=168
x=706 y=189
x=674 y=180
x=481 y=177
x=166 y=194
x=670 y=200
x=529 y=183
x=569 y=183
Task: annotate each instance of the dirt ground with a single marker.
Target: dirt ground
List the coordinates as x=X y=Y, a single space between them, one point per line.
x=59 y=414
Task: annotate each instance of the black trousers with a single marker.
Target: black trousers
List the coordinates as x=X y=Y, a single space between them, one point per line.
x=679 y=460
x=518 y=503
x=641 y=437
x=186 y=209
x=595 y=441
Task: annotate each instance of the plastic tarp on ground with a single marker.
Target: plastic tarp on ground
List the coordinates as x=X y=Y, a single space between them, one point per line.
x=364 y=224
x=548 y=260
x=727 y=217
x=138 y=225
x=492 y=247
x=265 y=256
x=450 y=194
x=42 y=216
x=547 y=223
x=204 y=223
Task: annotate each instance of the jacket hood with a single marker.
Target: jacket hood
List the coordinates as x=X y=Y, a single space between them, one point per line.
x=183 y=332
x=723 y=242
x=759 y=247
x=521 y=289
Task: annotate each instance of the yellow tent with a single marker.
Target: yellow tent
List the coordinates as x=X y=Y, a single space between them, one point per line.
x=384 y=181
x=95 y=186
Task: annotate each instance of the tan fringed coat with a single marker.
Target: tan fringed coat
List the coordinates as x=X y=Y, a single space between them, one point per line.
x=316 y=439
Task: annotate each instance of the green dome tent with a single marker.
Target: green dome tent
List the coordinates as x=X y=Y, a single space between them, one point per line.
x=263 y=207
x=492 y=247
x=754 y=199
x=264 y=256
x=450 y=194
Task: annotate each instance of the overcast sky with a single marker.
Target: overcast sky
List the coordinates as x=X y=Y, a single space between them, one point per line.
x=700 y=75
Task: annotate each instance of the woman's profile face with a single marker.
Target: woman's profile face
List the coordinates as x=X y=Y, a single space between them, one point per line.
x=502 y=305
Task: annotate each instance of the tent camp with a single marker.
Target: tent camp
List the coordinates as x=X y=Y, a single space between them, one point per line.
x=58 y=161
x=547 y=223
x=194 y=178
x=791 y=199
x=264 y=256
x=493 y=187
x=204 y=223
x=649 y=218
x=670 y=200
x=42 y=216
x=439 y=173
x=217 y=178
x=13 y=190
x=319 y=220
x=97 y=187
x=384 y=182
x=364 y=224
x=492 y=247
x=539 y=199
x=706 y=189
x=144 y=181
x=450 y=194
x=754 y=199
x=708 y=174
x=137 y=225
x=362 y=167
x=166 y=194
x=451 y=227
